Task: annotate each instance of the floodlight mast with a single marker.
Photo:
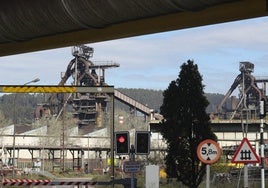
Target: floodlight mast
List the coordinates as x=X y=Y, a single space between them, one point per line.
x=14 y=122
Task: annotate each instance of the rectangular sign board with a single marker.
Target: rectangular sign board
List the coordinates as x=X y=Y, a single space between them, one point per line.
x=132 y=166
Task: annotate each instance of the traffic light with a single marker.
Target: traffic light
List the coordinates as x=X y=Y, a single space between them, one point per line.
x=142 y=143
x=122 y=143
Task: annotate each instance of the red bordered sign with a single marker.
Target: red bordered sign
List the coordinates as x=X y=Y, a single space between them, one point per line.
x=208 y=151
x=245 y=153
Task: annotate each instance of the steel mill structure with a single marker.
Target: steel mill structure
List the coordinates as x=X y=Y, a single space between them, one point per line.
x=88 y=108
x=251 y=91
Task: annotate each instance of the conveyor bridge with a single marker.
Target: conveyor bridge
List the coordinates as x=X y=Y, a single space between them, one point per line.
x=136 y=105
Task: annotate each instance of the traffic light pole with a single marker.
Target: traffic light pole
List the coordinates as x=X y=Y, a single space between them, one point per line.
x=132 y=158
x=112 y=139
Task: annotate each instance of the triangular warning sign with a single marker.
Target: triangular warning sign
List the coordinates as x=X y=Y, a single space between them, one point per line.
x=245 y=153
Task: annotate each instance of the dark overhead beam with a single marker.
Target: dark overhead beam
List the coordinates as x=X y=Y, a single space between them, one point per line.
x=227 y=12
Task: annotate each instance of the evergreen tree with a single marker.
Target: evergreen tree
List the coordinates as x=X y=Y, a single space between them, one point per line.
x=185 y=125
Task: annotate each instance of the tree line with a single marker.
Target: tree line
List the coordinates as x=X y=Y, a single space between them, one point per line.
x=22 y=106
x=154 y=98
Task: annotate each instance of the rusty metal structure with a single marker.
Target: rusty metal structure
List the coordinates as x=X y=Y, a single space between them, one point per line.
x=87 y=108
x=249 y=96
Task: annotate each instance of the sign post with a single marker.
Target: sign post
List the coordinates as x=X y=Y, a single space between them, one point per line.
x=208 y=152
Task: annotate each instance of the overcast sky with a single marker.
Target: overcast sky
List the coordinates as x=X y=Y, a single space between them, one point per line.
x=153 y=61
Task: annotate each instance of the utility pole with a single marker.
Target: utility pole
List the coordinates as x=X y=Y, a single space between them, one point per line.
x=62 y=137
x=262 y=116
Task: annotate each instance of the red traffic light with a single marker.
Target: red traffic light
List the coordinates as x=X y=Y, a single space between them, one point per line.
x=121 y=139
x=122 y=143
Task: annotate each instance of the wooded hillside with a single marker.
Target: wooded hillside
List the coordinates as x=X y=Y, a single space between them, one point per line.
x=26 y=103
x=154 y=98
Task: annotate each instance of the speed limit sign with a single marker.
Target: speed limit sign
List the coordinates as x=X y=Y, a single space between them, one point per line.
x=208 y=151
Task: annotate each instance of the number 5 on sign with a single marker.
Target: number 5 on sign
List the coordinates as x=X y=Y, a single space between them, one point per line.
x=208 y=151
